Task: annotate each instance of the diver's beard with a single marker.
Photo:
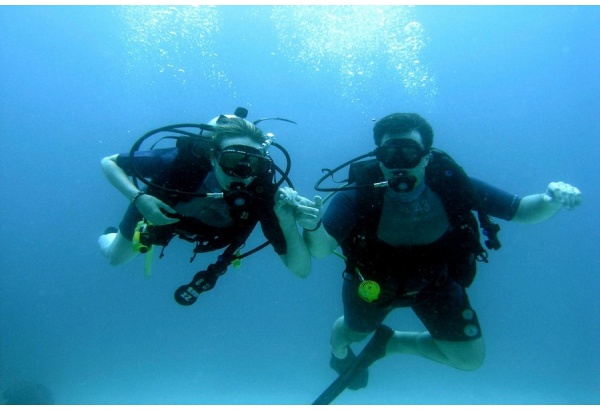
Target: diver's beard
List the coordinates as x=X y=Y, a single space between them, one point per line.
x=402 y=181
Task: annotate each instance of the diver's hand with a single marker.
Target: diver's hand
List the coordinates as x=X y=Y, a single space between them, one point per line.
x=291 y=207
x=310 y=221
x=154 y=210
x=306 y=212
x=566 y=195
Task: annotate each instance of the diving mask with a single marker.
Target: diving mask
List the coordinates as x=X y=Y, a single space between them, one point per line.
x=242 y=161
x=400 y=153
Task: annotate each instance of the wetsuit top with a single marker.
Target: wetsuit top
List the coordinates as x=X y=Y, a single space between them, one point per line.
x=404 y=217
x=173 y=169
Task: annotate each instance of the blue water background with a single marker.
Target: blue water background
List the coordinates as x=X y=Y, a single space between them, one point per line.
x=511 y=92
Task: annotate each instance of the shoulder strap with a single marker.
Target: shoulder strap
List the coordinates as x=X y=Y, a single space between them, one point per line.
x=369 y=199
x=445 y=177
x=454 y=186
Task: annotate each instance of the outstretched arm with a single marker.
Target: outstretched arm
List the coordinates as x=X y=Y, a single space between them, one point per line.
x=541 y=207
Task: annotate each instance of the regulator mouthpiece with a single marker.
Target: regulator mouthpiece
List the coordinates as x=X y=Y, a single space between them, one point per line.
x=402 y=182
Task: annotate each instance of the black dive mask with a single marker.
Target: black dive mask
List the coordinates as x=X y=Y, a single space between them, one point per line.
x=400 y=153
x=242 y=161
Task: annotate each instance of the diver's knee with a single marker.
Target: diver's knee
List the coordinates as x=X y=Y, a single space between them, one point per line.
x=471 y=357
x=467 y=356
x=116 y=249
x=115 y=260
x=105 y=241
x=473 y=362
x=341 y=327
x=120 y=256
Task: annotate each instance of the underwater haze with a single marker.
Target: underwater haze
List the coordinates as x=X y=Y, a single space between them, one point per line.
x=512 y=93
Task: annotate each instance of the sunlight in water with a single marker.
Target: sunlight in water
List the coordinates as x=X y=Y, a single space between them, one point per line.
x=356 y=41
x=161 y=38
x=357 y=44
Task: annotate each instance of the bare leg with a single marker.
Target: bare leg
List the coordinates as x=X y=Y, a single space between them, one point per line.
x=342 y=336
x=117 y=249
x=466 y=355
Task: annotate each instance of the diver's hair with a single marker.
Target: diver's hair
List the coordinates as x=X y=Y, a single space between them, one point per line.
x=236 y=127
x=400 y=123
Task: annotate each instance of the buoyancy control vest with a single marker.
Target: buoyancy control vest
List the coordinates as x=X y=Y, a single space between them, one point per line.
x=246 y=204
x=462 y=240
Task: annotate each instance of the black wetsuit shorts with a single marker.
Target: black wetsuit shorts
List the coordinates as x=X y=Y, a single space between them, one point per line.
x=444 y=309
x=129 y=222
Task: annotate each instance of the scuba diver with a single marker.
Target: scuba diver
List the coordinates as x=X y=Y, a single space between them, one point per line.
x=406 y=226
x=212 y=188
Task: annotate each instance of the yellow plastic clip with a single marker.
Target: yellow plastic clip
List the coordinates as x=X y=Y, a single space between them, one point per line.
x=136 y=242
x=140 y=247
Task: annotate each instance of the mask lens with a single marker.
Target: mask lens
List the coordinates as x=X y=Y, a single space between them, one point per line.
x=230 y=159
x=400 y=153
x=238 y=161
x=259 y=164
